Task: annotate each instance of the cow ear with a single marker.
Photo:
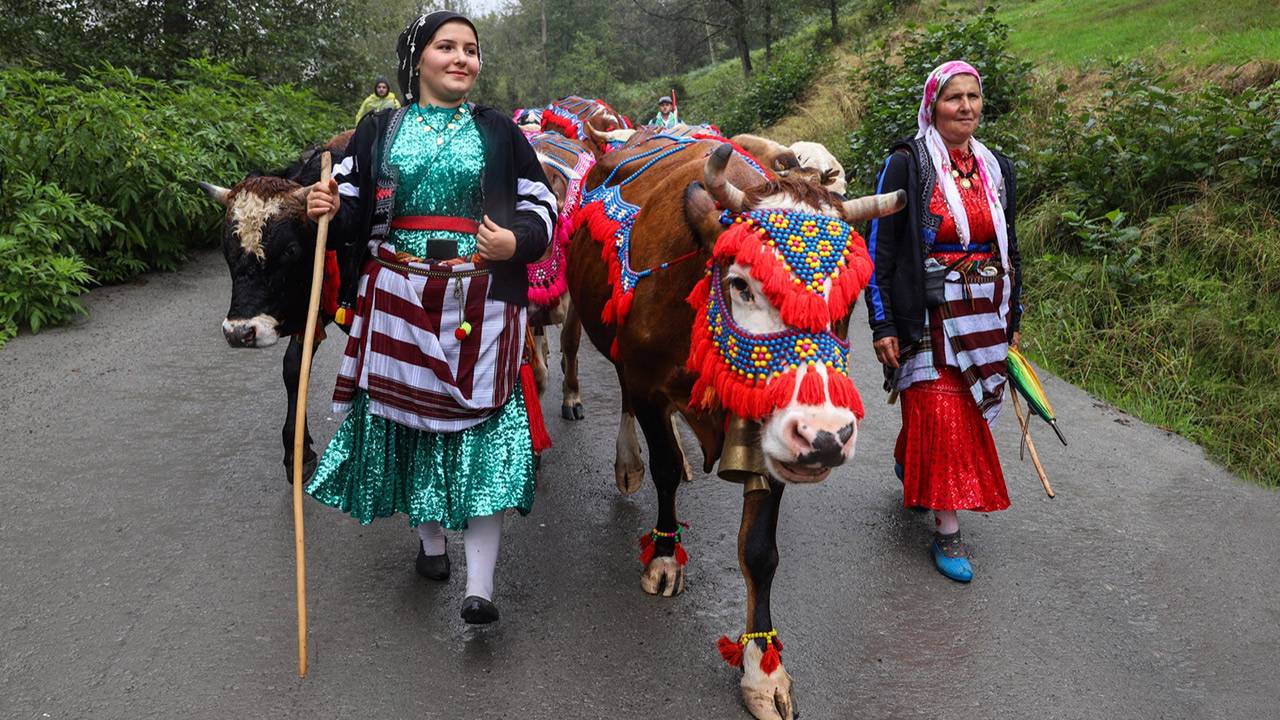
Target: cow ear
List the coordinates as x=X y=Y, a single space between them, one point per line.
x=702 y=214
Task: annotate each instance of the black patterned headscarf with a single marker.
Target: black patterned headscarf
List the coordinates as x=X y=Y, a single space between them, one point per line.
x=413 y=41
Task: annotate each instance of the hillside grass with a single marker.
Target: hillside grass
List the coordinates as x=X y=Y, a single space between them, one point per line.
x=1186 y=337
x=1184 y=32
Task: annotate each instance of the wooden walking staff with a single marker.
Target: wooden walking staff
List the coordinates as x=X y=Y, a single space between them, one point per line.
x=1031 y=445
x=299 y=425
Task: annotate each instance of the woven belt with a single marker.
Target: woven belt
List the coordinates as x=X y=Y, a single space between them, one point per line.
x=407 y=268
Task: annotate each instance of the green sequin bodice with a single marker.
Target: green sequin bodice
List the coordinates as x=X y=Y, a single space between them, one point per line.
x=437 y=178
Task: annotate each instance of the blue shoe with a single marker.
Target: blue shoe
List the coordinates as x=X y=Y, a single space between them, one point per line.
x=899 y=471
x=951 y=556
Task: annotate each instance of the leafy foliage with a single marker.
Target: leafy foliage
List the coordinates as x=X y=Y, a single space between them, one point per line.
x=98 y=173
x=771 y=95
x=1143 y=134
x=892 y=91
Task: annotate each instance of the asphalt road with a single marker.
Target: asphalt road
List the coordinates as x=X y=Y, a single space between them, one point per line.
x=146 y=563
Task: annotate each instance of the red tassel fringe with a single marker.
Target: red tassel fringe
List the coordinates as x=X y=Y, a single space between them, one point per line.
x=798 y=306
x=551 y=295
x=647 y=549
x=812 y=391
x=770 y=660
x=730 y=651
x=533 y=406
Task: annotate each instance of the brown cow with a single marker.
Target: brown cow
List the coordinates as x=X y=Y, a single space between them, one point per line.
x=575 y=117
x=566 y=163
x=804 y=418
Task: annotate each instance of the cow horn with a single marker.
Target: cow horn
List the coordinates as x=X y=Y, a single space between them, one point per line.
x=601 y=139
x=215 y=192
x=725 y=193
x=874 y=206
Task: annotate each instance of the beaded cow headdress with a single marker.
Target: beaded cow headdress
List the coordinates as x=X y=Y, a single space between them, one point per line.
x=811 y=268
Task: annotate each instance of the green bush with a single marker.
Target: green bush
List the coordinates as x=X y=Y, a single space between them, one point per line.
x=98 y=173
x=1145 y=144
x=772 y=95
x=891 y=92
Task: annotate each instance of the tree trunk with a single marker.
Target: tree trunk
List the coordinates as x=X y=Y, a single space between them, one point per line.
x=546 y=63
x=768 y=33
x=711 y=45
x=739 y=27
x=835 y=22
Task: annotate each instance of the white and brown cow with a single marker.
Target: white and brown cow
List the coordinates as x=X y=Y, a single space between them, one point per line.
x=743 y=338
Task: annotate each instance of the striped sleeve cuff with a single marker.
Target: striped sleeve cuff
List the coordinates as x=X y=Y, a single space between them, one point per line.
x=346 y=169
x=536 y=198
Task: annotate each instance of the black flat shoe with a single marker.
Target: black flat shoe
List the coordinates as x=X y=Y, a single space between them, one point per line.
x=478 y=611
x=432 y=567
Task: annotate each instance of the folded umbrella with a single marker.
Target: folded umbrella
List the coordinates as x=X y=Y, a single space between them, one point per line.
x=1024 y=379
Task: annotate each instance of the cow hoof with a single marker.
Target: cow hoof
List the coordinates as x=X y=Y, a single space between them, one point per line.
x=629 y=479
x=767 y=697
x=663 y=576
x=309 y=462
x=572 y=412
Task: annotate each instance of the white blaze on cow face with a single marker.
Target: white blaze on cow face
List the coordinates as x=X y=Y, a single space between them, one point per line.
x=251 y=214
x=801 y=442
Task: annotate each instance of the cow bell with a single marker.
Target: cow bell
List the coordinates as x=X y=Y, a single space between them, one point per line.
x=742 y=460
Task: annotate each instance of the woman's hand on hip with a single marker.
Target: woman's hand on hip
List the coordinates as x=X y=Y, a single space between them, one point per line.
x=1015 y=342
x=887 y=351
x=323 y=200
x=494 y=241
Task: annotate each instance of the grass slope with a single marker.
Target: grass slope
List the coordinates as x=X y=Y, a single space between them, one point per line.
x=1191 y=32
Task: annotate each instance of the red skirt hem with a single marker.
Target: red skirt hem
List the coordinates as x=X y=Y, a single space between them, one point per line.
x=946 y=450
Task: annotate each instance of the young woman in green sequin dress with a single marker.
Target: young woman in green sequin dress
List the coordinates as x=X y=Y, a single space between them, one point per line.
x=467 y=175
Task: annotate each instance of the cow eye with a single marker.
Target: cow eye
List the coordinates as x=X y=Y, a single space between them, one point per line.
x=742 y=288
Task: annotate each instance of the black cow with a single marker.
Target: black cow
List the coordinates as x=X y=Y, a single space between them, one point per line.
x=269 y=246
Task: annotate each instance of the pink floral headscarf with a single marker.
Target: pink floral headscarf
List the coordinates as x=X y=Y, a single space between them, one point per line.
x=988 y=168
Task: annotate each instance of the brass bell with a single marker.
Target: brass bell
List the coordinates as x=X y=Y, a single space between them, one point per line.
x=742 y=460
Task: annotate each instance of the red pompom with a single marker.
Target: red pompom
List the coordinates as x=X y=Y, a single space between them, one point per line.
x=682 y=557
x=730 y=651
x=460 y=334
x=812 y=391
x=770 y=660
x=646 y=549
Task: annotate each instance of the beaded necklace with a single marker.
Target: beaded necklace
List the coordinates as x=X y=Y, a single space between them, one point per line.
x=452 y=124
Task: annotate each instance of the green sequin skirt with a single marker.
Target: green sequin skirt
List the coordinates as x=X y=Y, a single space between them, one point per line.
x=376 y=468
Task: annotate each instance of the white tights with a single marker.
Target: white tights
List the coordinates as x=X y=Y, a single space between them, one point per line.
x=481 y=539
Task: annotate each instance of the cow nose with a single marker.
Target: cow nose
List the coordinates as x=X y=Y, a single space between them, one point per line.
x=241 y=335
x=815 y=446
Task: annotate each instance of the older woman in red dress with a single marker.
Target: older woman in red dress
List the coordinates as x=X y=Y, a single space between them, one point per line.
x=944 y=307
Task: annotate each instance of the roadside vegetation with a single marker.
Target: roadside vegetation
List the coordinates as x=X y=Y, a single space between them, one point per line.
x=99 y=173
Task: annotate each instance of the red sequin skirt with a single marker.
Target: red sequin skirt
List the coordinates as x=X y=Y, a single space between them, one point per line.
x=945 y=448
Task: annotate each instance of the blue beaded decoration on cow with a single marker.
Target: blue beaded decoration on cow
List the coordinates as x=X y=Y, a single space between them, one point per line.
x=813 y=248
x=761 y=358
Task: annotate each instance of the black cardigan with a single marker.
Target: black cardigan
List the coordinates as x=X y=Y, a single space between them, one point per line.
x=516 y=195
x=895 y=296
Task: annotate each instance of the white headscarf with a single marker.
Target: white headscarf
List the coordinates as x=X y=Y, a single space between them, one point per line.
x=988 y=168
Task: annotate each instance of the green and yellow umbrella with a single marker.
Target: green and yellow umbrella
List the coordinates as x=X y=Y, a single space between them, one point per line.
x=1024 y=379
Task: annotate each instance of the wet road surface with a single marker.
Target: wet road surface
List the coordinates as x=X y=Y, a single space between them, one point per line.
x=146 y=562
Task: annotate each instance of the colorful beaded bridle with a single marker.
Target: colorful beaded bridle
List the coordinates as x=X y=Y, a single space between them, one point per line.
x=811 y=268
